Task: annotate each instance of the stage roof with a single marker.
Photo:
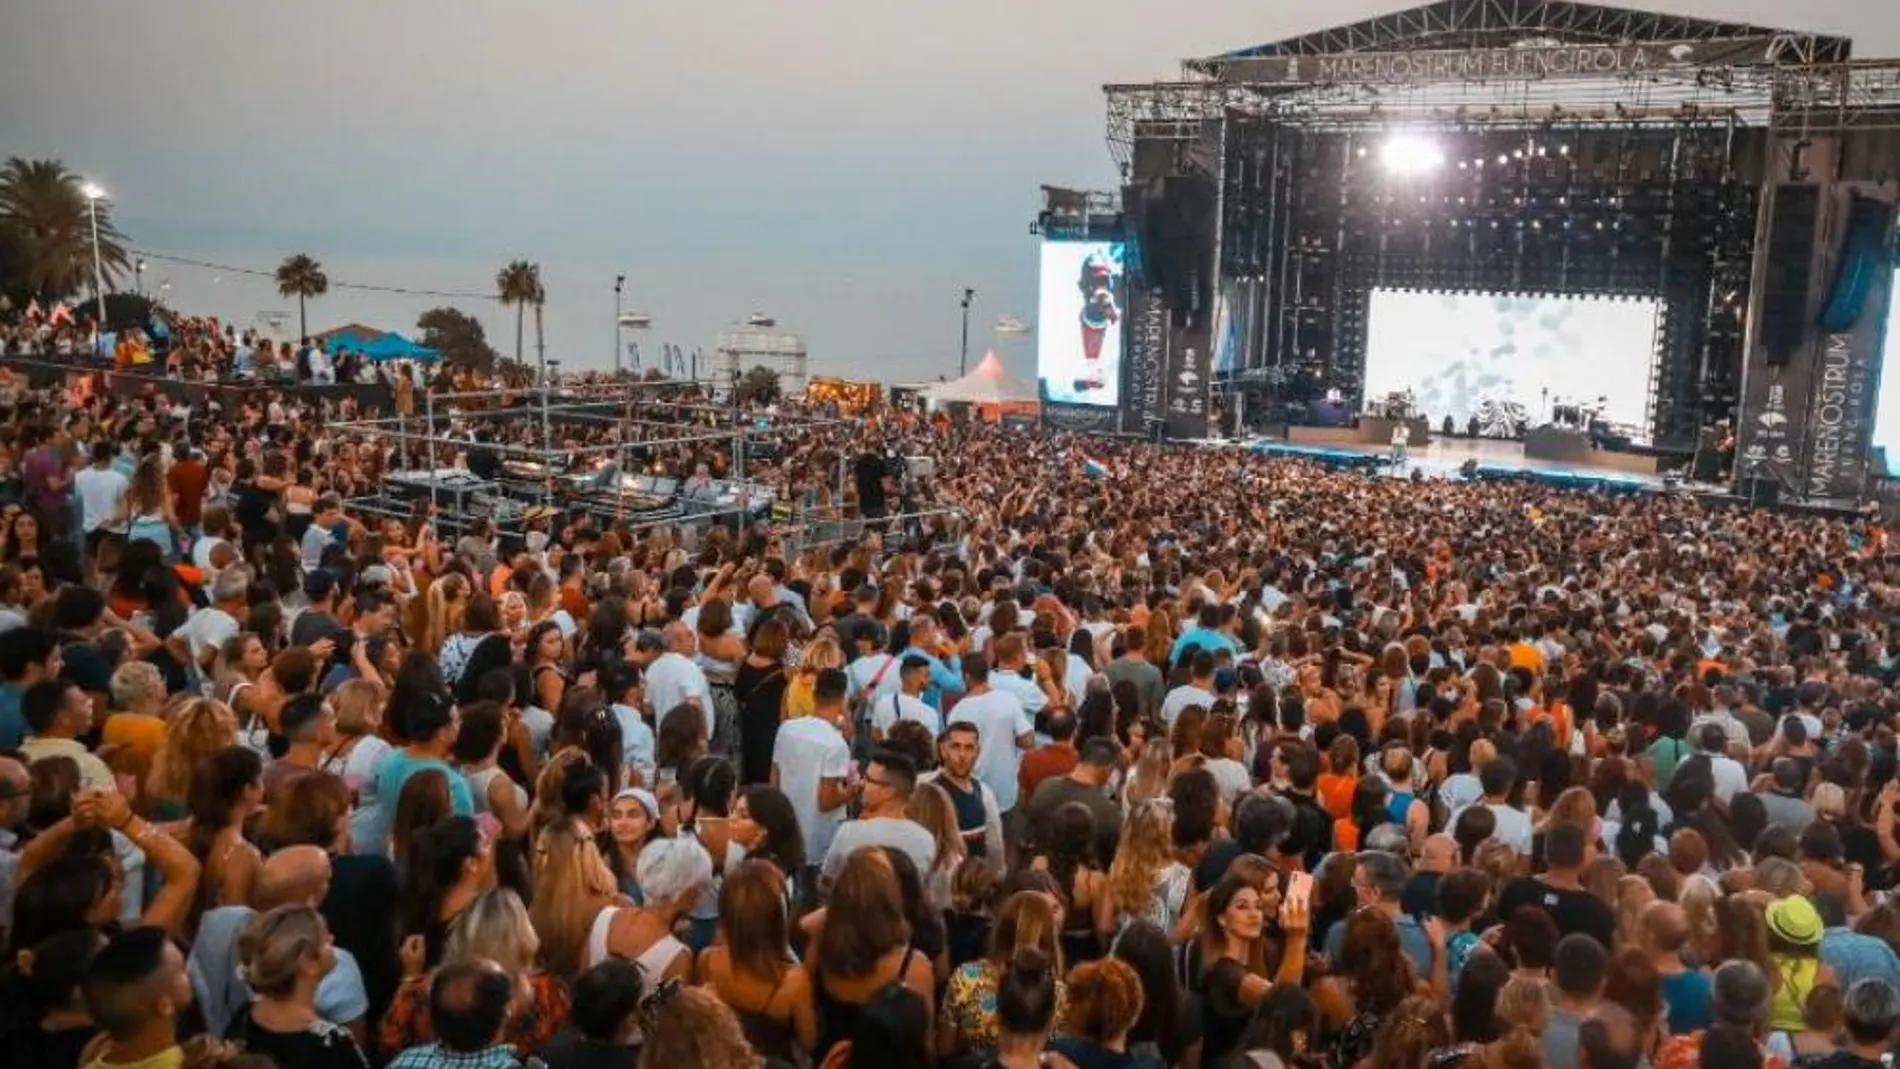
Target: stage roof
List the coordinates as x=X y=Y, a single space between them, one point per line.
x=1472 y=24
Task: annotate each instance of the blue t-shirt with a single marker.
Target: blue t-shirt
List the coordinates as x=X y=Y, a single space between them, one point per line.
x=12 y=724
x=390 y=776
x=1687 y=995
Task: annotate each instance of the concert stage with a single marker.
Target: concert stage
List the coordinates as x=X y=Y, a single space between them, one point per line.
x=1497 y=459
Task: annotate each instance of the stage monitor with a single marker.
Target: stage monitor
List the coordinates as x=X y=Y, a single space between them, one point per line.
x=1507 y=358
x=1887 y=399
x=1079 y=348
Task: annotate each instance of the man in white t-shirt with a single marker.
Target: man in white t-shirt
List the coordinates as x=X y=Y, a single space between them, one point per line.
x=811 y=764
x=907 y=703
x=210 y=628
x=1003 y=728
x=1009 y=653
x=887 y=787
x=1198 y=690
x=671 y=676
x=101 y=489
x=1711 y=741
x=1513 y=827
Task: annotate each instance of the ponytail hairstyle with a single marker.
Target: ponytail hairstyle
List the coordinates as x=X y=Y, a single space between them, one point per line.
x=1523 y=1013
x=1026 y=995
x=437 y=856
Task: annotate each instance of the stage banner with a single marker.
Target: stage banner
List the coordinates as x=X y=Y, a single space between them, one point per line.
x=1190 y=374
x=1081 y=419
x=1147 y=347
x=1840 y=418
x=1512 y=64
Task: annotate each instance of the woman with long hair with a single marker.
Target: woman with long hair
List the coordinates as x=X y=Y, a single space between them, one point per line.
x=750 y=968
x=633 y=821
x=478 y=745
x=765 y=826
x=1069 y=857
x=1026 y=920
x=284 y=954
x=480 y=618
x=572 y=885
x=1145 y=880
x=148 y=508
x=1148 y=779
x=866 y=948
x=495 y=927
x=760 y=687
x=451 y=864
x=1233 y=947
x=1166 y=1032
x=227 y=788
x=680 y=741
x=445 y=611
x=930 y=806
x=240 y=666
x=195 y=729
x=424 y=802
x=1366 y=996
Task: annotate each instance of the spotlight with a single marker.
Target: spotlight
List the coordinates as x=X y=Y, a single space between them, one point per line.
x=1410 y=154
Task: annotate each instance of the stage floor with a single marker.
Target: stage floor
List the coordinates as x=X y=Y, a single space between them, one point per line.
x=1444 y=456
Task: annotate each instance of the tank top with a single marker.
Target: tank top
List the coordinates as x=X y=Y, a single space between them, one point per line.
x=774 y=1039
x=838 y=1019
x=478 y=785
x=652 y=962
x=1791 y=992
x=1399 y=806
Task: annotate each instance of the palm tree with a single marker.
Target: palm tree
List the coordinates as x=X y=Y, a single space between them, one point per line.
x=520 y=285
x=301 y=277
x=49 y=231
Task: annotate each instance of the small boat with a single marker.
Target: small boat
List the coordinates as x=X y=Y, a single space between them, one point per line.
x=1011 y=325
x=760 y=319
x=636 y=320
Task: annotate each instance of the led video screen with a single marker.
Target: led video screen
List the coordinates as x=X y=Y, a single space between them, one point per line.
x=1887 y=400
x=1079 y=344
x=1506 y=358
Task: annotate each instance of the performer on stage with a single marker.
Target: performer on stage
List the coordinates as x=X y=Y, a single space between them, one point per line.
x=1099 y=315
x=1401 y=438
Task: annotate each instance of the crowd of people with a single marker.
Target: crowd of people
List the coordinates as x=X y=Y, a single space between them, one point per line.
x=1160 y=757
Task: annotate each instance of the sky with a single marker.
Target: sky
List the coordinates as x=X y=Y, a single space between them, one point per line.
x=846 y=166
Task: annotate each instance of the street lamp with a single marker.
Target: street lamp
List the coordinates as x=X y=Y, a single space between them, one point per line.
x=964 y=360
x=620 y=283
x=94 y=195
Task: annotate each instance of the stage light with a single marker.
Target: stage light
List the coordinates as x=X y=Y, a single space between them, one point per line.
x=1410 y=154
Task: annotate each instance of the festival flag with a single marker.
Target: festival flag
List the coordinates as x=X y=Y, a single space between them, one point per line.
x=1093 y=468
x=61 y=315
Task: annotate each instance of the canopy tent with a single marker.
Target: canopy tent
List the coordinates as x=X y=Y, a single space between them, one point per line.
x=989 y=383
x=390 y=346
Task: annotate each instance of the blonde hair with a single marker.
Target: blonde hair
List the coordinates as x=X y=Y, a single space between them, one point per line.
x=819 y=654
x=359 y=707
x=1698 y=900
x=1829 y=801
x=194 y=730
x=275 y=945
x=496 y=926
x=1147 y=846
x=446 y=605
x=1576 y=805
x=572 y=884
x=1149 y=779
x=930 y=806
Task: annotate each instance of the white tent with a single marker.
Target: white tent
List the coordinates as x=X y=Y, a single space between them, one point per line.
x=989 y=383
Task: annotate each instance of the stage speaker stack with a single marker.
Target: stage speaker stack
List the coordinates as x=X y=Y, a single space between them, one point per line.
x=1784 y=307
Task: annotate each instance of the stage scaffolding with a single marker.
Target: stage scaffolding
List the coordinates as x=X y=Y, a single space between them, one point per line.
x=642 y=422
